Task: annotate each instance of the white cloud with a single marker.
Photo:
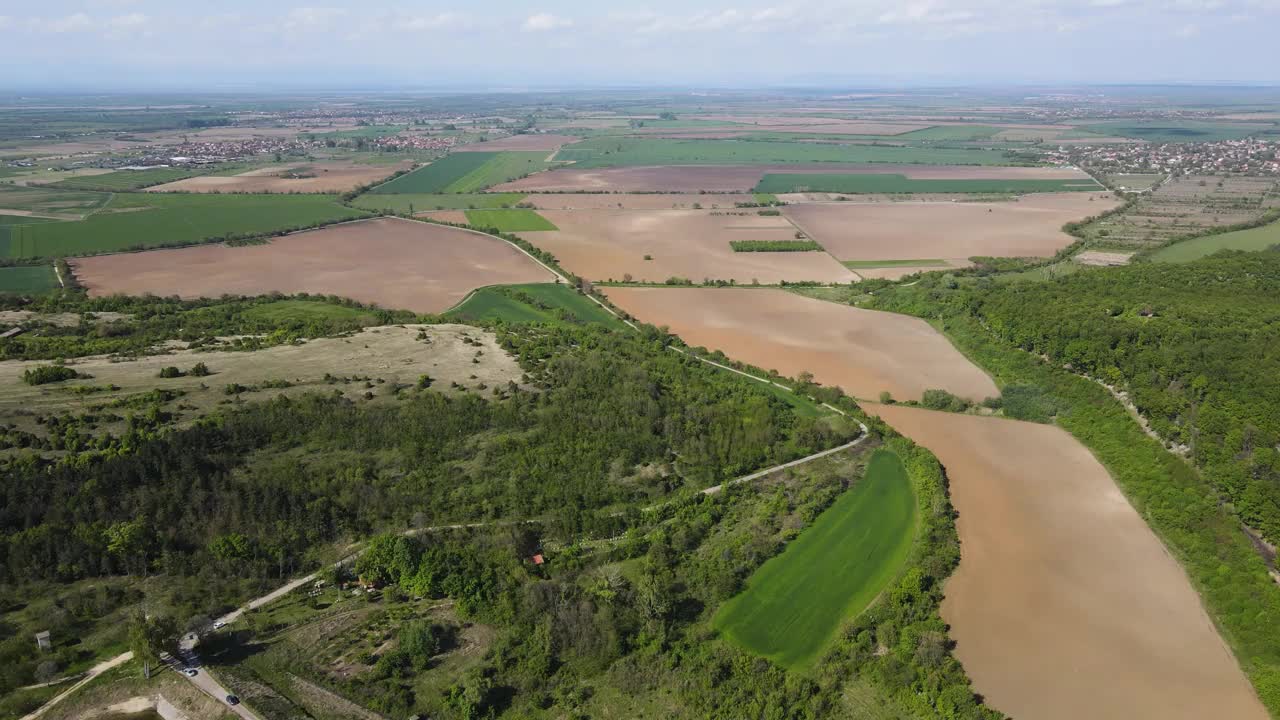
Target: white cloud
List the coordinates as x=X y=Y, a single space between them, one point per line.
x=431 y=22
x=1189 y=30
x=312 y=18
x=541 y=22
x=132 y=20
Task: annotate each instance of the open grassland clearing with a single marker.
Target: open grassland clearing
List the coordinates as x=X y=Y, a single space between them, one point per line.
x=615 y=151
x=886 y=183
x=743 y=178
x=27 y=279
x=137 y=220
x=1183 y=207
x=656 y=245
x=533 y=302
x=520 y=220
x=63 y=204
x=1065 y=604
x=864 y=352
x=1253 y=239
x=394 y=263
x=466 y=173
x=323 y=176
x=124 y=180
x=794 y=604
x=638 y=201
x=391 y=357
x=1028 y=226
x=424 y=202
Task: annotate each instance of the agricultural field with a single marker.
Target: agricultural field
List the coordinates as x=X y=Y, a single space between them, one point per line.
x=138 y=220
x=742 y=178
x=466 y=173
x=309 y=177
x=124 y=180
x=394 y=263
x=27 y=278
x=1175 y=131
x=794 y=604
x=864 y=352
x=619 y=151
x=889 y=184
x=537 y=302
x=391 y=356
x=656 y=245
x=1134 y=182
x=1027 y=226
x=423 y=202
x=1185 y=207
x=521 y=220
x=640 y=201
x=1053 y=558
x=62 y=204
x=528 y=142
x=1253 y=239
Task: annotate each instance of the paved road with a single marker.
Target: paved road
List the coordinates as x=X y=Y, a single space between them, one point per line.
x=208 y=683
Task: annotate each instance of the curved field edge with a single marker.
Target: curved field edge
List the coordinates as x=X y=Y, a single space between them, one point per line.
x=1175 y=501
x=796 y=602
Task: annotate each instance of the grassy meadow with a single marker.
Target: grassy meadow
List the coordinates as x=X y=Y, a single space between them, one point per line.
x=153 y=220
x=124 y=180
x=1259 y=238
x=27 y=279
x=530 y=303
x=796 y=602
x=871 y=183
x=50 y=201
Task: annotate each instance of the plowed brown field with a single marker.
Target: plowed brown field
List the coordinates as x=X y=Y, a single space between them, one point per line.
x=642 y=201
x=862 y=351
x=1030 y=226
x=318 y=177
x=394 y=263
x=1065 y=605
x=693 y=244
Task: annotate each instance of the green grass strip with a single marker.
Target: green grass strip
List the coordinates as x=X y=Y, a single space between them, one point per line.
x=774 y=246
x=796 y=602
x=521 y=220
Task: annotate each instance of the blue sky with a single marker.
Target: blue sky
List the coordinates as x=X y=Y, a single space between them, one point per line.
x=170 y=44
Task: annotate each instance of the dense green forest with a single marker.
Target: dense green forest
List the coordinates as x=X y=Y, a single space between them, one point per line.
x=609 y=418
x=1197 y=347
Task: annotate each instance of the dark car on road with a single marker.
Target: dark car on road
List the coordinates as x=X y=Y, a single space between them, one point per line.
x=233 y=700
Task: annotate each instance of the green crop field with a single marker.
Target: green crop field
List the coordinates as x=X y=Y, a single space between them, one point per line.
x=28 y=279
x=796 y=602
x=530 y=303
x=283 y=311
x=509 y=220
x=892 y=183
x=421 y=202
x=125 y=179
x=50 y=201
x=612 y=151
x=465 y=172
x=774 y=245
x=1259 y=238
x=132 y=220
x=1173 y=130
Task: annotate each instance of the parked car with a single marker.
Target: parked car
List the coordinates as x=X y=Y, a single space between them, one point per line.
x=233 y=700
x=190 y=672
x=219 y=625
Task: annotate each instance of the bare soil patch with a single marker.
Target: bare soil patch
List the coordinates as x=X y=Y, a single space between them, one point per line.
x=1030 y=226
x=1065 y=604
x=533 y=142
x=1099 y=258
x=450 y=216
x=692 y=244
x=864 y=352
x=741 y=178
x=314 y=177
x=388 y=261
x=641 y=201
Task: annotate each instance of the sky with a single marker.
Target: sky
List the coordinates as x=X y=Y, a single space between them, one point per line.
x=555 y=44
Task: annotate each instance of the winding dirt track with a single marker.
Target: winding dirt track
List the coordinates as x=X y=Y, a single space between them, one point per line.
x=1065 y=604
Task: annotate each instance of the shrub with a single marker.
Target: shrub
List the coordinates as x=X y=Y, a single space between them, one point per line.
x=170 y=372
x=199 y=370
x=49 y=374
